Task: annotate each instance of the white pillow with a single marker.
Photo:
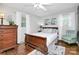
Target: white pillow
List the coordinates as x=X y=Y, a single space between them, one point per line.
x=50 y=30
x=54 y=30
x=47 y=30
x=44 y=30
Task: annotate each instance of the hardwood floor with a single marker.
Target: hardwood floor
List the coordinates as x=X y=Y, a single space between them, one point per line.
x=19 y=50
x=70 y=49
x=24 y=49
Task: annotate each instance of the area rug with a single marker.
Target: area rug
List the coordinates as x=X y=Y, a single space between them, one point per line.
x=52 y=50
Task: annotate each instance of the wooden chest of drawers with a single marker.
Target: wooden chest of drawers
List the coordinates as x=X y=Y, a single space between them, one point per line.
x=8 y=37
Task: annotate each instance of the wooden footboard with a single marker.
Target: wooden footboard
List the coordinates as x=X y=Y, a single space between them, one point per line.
x=36 y=42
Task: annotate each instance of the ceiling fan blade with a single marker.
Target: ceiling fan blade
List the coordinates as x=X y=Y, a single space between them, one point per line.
x=42 y=7
x=38 y=5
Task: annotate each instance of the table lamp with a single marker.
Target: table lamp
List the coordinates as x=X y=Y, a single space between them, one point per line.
x=1 y=17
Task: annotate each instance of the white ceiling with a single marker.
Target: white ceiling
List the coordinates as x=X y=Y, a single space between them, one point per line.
x=51 y=8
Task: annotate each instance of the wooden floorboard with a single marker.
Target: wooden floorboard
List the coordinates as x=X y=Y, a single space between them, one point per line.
x=23 y=49
x=70 y=49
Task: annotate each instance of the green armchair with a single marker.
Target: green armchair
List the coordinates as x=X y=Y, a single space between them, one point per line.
x=70 y=36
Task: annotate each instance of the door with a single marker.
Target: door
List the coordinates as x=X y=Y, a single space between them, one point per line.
x=23 y=28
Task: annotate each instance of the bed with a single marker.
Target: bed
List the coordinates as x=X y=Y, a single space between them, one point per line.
x=41 y=40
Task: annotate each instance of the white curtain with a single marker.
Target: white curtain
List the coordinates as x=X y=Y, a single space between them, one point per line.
x=66 y=22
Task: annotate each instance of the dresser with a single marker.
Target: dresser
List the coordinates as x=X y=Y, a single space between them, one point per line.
x=8 y=37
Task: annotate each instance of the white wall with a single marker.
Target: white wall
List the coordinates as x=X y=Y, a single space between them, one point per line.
x=7 y=13
x=18 y=22
x=34 y=27
x=28 y=24
x=32 y=23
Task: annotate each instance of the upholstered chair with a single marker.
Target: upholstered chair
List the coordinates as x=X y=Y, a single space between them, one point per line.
x=70 y=36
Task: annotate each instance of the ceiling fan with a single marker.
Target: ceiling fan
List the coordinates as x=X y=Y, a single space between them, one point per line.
x=40 y=6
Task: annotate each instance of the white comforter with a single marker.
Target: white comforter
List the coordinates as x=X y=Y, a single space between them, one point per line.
x=50 y=36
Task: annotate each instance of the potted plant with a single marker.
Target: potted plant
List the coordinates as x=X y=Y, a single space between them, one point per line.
x=11 y=22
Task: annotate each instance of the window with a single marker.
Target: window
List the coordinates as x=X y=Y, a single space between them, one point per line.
x=23 y=22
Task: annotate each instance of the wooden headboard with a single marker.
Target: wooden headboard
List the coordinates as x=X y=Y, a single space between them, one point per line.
x=50 y=28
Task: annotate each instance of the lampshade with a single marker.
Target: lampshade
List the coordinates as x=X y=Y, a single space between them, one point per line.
x=1 y=15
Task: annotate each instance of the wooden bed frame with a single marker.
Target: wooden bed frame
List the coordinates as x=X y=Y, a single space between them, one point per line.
x=37 y=42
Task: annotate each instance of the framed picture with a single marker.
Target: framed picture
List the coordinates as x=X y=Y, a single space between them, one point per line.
x=47 y=21
x=53 y=21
